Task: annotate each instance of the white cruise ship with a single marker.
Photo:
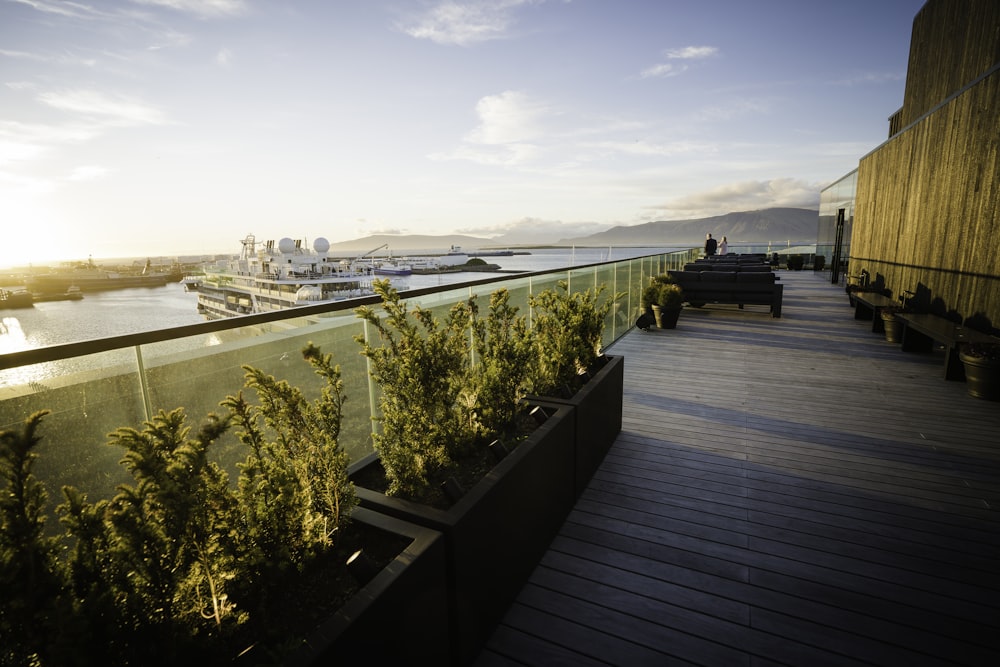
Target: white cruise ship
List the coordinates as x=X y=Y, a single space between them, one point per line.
x=268 y=277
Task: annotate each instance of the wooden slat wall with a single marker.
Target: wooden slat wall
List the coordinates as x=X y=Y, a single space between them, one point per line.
x=788 y=491
x=928 y=207
x=952 y=43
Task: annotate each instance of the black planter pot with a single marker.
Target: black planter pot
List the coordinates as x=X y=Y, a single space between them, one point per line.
x=982 y=377
x=597 y=415
x=668 y=317
x=498 y=531
x=408 y=596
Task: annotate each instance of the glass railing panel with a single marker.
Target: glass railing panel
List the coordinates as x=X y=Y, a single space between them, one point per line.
x=87 y=399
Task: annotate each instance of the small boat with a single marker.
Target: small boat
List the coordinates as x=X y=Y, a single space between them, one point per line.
x=269 y=276
x=72 y=293
x=17 y=297
x=392 y=267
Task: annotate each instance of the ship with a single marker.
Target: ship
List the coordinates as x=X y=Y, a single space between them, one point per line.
x=88 y=277
x=17 y=297
x=268 y=277
x=385 y=266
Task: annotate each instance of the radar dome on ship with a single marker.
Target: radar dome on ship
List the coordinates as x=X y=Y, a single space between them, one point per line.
x=321 y=245
x=309 y=293
x=286 y=246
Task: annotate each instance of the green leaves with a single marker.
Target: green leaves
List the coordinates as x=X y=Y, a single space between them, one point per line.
x=567 y=332
x=422 y=366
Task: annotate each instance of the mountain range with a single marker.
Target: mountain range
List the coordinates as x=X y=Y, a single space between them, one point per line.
x=769 y=224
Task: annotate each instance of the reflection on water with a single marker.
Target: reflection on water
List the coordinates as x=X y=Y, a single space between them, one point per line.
x=12 y=338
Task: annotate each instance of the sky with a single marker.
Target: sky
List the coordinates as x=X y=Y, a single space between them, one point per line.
x=170 y=127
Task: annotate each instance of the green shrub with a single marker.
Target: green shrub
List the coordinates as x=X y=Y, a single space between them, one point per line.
x=293 y=491
x=178 y=563
x=567 y=331
x=422 y=367
x=503 y=358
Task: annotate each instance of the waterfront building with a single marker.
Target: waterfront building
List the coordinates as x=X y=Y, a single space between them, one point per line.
x=924 y=211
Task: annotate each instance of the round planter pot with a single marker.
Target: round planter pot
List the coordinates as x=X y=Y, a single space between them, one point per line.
x=982 y=377
x=893 y=328
x=668 y=318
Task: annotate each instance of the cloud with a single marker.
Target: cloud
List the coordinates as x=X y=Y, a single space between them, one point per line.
x=88 y=173
x=224 y=57
x=465 y=23
x=510 y=117
x=646 y=148
x=745 y=196
x=674 y=68
x=116 y=110
x=200 y=8
x=23 y=142
x=534 y=230
x=692 y=52
x=734 y=108
x=70 y=9
x=509 y=126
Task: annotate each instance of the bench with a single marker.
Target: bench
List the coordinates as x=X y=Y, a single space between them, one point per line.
x=921 y=330
x=869 y=305
x=737 y=287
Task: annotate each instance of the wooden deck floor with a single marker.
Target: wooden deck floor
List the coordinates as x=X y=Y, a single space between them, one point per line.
x=784 y=491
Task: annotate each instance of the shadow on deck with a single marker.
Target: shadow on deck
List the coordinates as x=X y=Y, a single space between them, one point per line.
x=784 y=491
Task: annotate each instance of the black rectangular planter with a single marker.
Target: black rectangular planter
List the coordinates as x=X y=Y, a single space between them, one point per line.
x=400 y=616
x=498 y=531
x=597 y=413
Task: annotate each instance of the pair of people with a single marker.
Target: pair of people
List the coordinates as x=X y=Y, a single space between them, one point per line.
x=711 y=245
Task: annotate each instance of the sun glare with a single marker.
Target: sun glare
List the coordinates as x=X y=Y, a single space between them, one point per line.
x=32 y=237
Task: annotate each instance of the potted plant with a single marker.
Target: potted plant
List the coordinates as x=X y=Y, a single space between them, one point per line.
x=671 y=303
x=182 y=566
x=451 y=406
x=796 y=262
x=663 y=299
x=574 y=371
x=982 y=369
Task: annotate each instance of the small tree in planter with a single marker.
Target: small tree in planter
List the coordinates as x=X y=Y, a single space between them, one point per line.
x=572 y=370
x=294 y=492
x=180 y=564
x=34 y=594
x=504 y=352
x=422 y=368
x=567 y=331
x=521 y=498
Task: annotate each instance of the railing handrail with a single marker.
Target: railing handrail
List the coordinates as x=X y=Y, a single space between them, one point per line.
x=63 y=351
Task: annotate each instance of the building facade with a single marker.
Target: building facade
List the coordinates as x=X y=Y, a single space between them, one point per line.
x=927 y=202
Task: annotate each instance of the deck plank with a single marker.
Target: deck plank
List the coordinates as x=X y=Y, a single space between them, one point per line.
x=784 y=491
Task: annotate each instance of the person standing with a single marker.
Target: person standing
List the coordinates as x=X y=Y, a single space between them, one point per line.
x=723 y=246
x=710 y=245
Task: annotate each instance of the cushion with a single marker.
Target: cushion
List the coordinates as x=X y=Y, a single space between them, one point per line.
x=718 y=276
x=759 y=268
x=682 y=277
x=754 y=277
